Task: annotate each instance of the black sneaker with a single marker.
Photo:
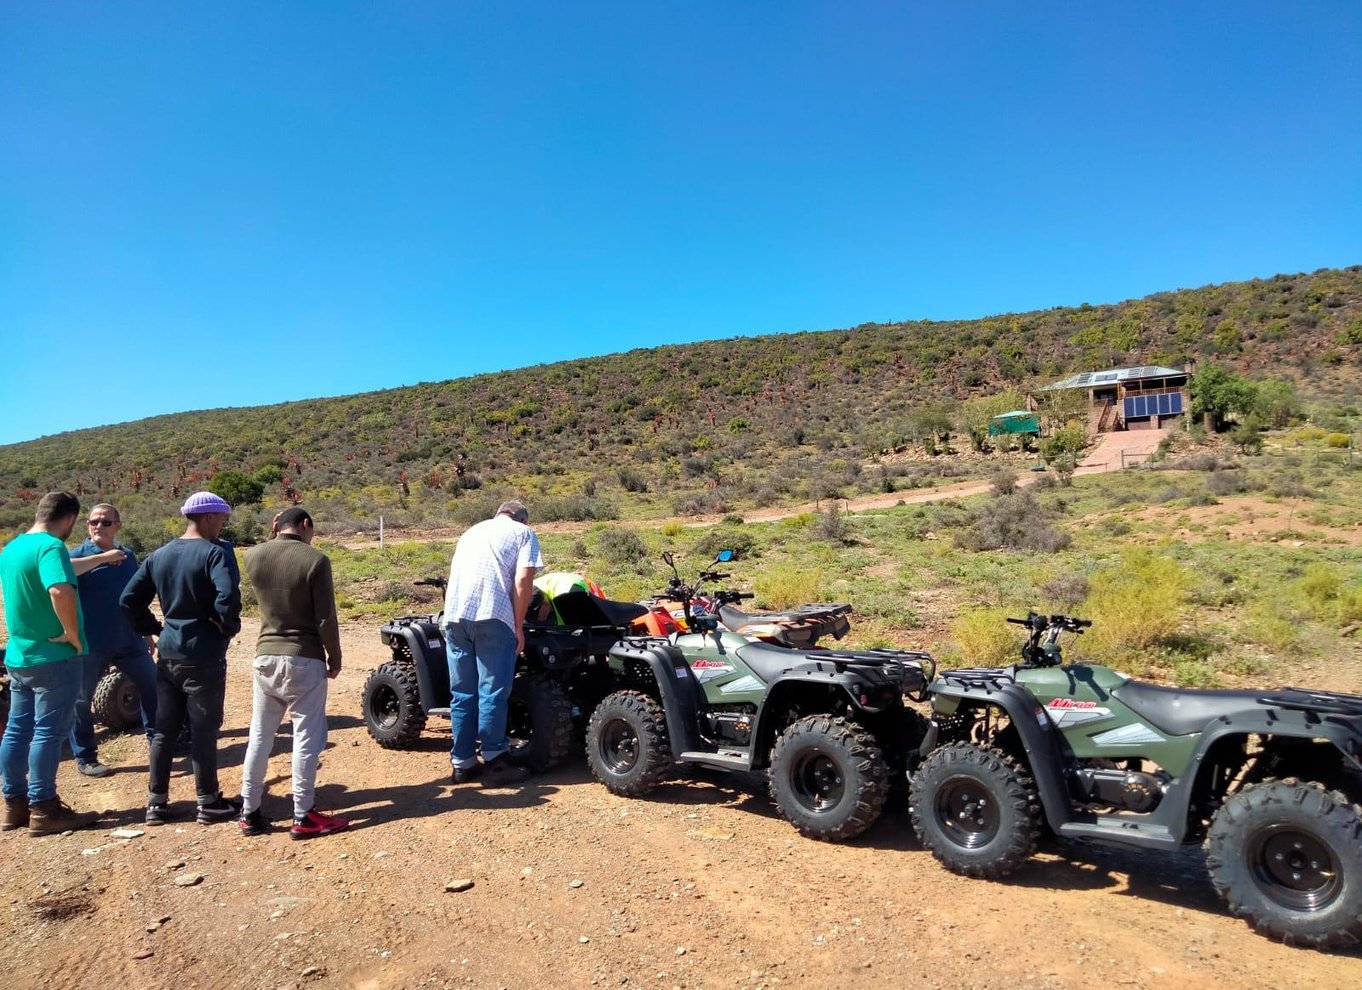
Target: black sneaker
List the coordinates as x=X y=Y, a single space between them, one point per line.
x=217 y=810
x=501 y=772
x=462 y=775
x=254 y=824
x=93 y=768
x=158 y=814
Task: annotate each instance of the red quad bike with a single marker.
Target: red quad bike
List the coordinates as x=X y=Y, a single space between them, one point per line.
x=558 y=680
x=798 y=628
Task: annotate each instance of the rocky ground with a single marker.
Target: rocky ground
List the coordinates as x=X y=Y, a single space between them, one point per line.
x=560 y=884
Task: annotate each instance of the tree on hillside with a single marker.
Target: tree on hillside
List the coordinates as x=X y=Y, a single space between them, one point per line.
x=1218 y=394
x=237 y=488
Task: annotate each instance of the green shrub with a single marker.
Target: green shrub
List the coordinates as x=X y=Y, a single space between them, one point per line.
x=1012 y=522
x=787 y=584
x=620 y=546
x=723 y=537
x=984 y=637
x=1135 y=603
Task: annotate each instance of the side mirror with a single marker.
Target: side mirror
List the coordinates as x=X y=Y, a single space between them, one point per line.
x=667 y=558
x=724 y=557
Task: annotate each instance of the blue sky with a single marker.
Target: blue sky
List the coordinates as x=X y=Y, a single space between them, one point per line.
x=215 y=204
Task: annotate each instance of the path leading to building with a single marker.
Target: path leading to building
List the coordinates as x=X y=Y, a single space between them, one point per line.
x=1117 y=450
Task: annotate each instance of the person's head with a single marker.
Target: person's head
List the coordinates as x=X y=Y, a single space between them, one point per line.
x=102 y=525
x=516 y=510
x=207 y=514
x=295 y=522
x=57 y=513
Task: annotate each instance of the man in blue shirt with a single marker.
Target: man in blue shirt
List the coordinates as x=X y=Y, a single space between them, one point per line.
x=103 y=569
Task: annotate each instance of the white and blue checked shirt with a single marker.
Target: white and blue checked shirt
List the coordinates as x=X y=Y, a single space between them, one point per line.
x=482 y=573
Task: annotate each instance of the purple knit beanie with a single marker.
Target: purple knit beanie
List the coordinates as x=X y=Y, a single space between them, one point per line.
x=203 y=502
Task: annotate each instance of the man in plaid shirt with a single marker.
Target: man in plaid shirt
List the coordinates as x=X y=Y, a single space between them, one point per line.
x=491 y=579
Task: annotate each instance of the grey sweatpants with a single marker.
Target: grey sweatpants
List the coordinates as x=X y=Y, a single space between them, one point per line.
x=296 y=684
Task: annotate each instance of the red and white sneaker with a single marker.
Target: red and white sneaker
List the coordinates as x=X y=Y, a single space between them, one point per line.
x=314 y=823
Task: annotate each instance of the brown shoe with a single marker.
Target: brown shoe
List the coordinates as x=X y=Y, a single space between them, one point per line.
x=16 y=814
x=55 y=815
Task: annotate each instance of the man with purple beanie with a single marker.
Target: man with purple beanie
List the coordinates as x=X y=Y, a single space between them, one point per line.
x=200 y=593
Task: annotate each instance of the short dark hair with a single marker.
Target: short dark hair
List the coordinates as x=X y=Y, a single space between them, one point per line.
x=294 y=518
x=56 y=505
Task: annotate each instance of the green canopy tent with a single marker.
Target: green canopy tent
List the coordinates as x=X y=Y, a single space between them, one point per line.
x=1019 y=421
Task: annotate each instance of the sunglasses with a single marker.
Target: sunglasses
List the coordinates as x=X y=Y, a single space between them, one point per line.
x=105 y=523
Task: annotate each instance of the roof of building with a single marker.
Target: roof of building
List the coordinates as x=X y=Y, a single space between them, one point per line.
x=1015 y=414
x=1088 y=379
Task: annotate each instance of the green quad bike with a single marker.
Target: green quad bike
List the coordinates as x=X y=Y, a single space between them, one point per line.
x=1268 y=781
x=828 y=727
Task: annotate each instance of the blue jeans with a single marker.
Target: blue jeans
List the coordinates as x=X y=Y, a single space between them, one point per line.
x=481 y=668
x=42 y=707
x=136 y=662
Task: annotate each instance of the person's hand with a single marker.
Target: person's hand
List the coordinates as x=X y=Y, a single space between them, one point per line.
x=333 y=667
x=520 y=641
x=70 y=637
x=151 y=645
x=115 y=556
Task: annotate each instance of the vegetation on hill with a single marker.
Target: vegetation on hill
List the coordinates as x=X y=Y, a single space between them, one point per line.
x=693 y=428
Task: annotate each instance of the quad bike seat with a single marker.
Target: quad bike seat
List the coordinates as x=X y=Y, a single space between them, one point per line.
x=577 y=608
x=1181 y=712
x=769 y=662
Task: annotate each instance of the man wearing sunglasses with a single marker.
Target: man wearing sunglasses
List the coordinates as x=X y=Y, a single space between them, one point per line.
x=103 y=569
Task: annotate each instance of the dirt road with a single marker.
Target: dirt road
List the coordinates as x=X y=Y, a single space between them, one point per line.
x=699 y=886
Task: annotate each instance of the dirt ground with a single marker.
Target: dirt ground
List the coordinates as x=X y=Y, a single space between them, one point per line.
x=699 y=885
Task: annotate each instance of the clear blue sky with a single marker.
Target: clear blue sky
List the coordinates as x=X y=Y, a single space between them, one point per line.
x=211 y=204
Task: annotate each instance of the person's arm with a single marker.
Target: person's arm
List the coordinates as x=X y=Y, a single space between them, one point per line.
x=324 y=608
x=83 y=565
x=227 y=605
x=65 y=604
x=524 y=589
x=136 y=601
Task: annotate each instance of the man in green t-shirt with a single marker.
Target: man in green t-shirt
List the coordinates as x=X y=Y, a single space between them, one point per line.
x=44 y=658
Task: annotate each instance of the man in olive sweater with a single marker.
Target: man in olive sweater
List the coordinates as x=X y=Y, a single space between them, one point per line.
x=298 y=650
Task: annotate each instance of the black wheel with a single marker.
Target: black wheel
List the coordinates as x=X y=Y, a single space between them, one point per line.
x=828 y=777
x=976 y=809
x=1286 y=857
x=117 y=702
x=392 y=706
x=627 y=744
x=539 y=722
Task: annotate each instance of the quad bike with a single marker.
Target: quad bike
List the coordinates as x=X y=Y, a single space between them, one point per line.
x=560 y=676
x=115 y=703
x=800 y=628
x=828 y=727
x=1268 y=781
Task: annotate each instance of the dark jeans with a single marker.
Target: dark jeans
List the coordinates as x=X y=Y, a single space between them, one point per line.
x=192 y=690
x=138 y=665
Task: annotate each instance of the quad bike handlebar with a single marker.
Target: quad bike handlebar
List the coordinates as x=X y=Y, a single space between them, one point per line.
x=433 y=582
x=1042 y=648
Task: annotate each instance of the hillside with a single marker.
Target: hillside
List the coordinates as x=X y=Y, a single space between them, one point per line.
x=696 y=427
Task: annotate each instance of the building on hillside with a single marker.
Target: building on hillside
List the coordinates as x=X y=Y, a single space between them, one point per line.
x=1145 y=398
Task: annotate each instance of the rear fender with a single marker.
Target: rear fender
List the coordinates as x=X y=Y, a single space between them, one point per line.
x=428 y=659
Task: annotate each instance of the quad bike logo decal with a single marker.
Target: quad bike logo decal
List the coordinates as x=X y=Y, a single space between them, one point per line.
x=1066 y=712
